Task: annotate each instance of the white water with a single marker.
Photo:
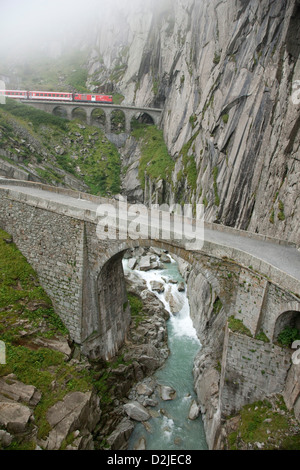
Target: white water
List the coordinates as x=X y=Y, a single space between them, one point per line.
x=172 y=429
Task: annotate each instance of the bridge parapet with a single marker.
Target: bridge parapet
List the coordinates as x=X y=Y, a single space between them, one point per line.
x=56 y=229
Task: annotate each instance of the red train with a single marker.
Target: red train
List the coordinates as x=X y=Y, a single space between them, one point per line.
x=56 y=96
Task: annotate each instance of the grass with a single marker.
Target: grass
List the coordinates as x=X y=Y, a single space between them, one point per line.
x=189 y=163
x=136 y=307
x=155 y=160
x=262 y=422
x=24 y=305
x=97 y=160
x=35 y=116
x=237 y=326
x=215 y=177
x=217 y=306
x=261 y=336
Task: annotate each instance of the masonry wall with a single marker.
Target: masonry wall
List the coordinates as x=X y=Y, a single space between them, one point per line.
x=53 y=245
x=251 y=369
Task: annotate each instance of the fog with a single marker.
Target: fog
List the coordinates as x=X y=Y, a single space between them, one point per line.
x=26 y=26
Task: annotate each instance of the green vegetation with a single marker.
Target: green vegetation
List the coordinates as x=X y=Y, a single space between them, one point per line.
x=155 y=160
x=118 y=98
x=215 y=177
x=225 y=118
x=52 y=74
x=189 y=163
x=237 y=326
x=36 y=117
x=217 y=306
x=193 y=120
x=77 y=80
x=261 y=336
x=136 y=307
x=288 y=336
x=281 y=215
x=267 y=423
x=217 y=59
x=118 y=122
x=86 y=152
x=24 y=306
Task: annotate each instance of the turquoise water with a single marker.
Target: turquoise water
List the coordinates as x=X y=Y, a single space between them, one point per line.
x=171 y=429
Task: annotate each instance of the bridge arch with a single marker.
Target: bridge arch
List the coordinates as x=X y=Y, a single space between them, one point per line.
x=98 y=118
x=108 y=289
x=118 y=121
x=60 y=111
x=141 y=118
x=80 y=114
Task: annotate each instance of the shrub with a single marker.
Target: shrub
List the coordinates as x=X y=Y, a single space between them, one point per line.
x=288 y=336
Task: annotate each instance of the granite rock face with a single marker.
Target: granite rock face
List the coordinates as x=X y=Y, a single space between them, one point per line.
x=226 y=75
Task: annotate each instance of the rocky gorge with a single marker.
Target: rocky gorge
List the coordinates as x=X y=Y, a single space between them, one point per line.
x=226 y=76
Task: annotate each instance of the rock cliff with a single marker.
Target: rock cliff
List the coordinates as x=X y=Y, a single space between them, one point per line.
x=226 y=76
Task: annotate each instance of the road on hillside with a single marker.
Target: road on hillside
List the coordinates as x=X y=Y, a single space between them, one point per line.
x=285 y=258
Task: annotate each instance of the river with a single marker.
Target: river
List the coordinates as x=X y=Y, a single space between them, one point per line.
x=171 y=429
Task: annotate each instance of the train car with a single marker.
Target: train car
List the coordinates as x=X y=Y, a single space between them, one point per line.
x=17 y=94
x=50 y=96
x=91 y=98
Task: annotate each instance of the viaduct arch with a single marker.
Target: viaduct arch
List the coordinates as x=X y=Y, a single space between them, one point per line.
x=68 y=108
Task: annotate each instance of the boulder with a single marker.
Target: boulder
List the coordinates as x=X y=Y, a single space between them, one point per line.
x=77 y=410
x=59 y=344
x=194 y=411
x=165 y=258
x=157 y=286
x=145 y=263
x=132 y=262
x=118 y=439
x=176 y=301
x=155 y=251
x=19 y=392
x=5 y=439
x=140 y=445
x=167 y=393
x=136 y=411
x=144 y=389
x=14 y=417
x=181 y=287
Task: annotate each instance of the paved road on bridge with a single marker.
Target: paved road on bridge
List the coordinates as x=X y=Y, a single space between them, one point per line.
x=286 y=258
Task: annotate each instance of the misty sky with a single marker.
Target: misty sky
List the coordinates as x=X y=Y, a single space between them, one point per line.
x=30 y=23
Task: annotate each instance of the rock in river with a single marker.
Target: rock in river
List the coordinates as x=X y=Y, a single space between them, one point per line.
x=136 y=411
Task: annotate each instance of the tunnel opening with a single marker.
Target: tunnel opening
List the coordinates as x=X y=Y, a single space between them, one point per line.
x=287 y=328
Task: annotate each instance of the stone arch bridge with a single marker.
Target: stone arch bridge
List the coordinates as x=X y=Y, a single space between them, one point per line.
x=254 y=278
x=69 y=108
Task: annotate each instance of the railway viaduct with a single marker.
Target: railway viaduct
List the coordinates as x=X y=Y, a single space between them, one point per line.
x=254 y=278
x=89 y=108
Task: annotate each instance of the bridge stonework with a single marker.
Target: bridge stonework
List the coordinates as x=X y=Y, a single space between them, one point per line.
x=129 y=111
x=84 y=278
